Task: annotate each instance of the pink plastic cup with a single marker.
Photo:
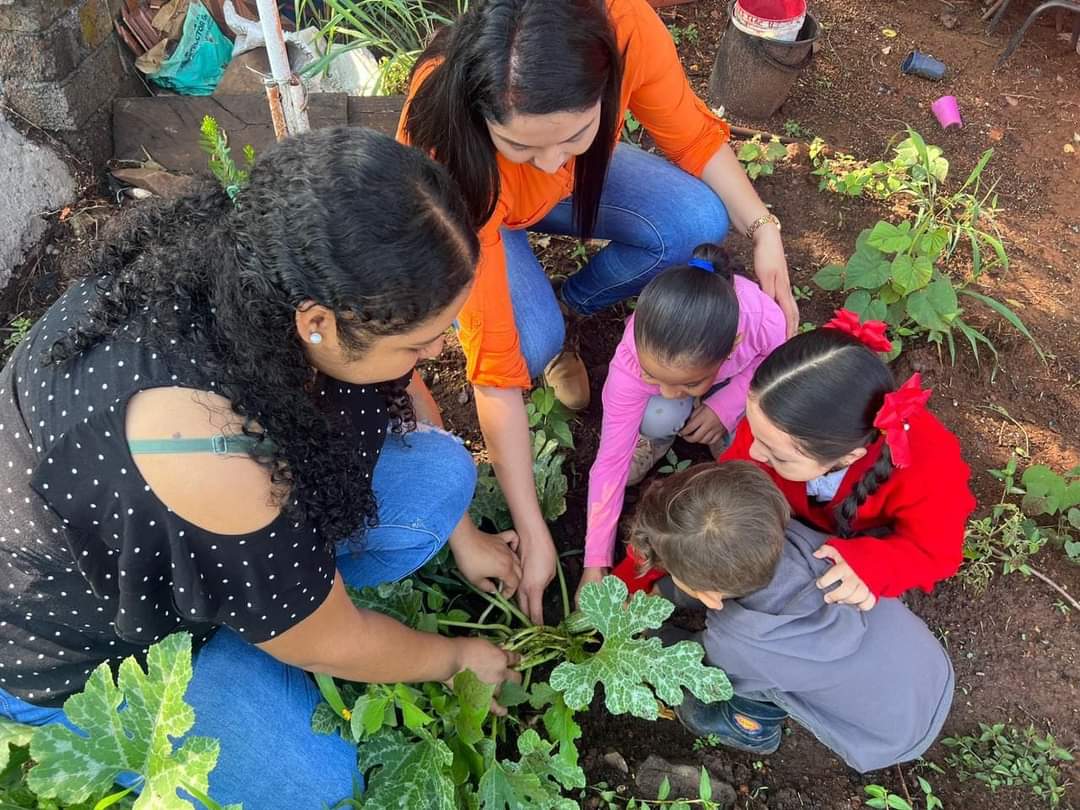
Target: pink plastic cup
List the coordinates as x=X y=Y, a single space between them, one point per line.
x=947 y=112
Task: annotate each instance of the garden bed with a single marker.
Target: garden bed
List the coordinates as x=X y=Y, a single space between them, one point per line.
x=1015 y=650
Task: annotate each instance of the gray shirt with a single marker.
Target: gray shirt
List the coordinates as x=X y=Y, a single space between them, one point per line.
x=875 y=686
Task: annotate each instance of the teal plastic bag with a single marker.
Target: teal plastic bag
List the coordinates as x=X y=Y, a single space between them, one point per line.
x=199 y=60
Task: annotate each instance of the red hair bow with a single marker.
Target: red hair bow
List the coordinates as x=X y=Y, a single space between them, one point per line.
x=871 y=333
x=894 y=418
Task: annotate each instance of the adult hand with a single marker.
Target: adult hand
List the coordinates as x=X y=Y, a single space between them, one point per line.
x=590 y=574
x=703 y=426
x=851 y=590
x=489 y=663
x=485 y=559
x=537 y=553
x=770 y=267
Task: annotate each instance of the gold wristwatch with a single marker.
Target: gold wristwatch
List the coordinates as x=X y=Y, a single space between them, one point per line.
x=757 y=223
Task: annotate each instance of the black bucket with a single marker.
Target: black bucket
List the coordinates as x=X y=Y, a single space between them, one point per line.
x=753 y=75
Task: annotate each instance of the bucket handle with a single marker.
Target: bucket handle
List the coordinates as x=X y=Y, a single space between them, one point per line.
x=759 y=44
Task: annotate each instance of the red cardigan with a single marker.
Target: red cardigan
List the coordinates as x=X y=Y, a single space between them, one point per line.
x=923 y=510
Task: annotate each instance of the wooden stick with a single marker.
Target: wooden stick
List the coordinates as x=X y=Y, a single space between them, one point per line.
x=750 y=133
x=1037 y=573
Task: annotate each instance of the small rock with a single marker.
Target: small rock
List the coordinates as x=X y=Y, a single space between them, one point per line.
x=463 y=396
x=949 y=20
x=616 y=761
x=683 y=779
x=1012 y=101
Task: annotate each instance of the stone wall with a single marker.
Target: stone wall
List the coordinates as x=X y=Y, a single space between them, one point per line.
x=61 y=65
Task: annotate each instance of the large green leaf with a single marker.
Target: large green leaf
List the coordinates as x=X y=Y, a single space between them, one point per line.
x=830 y=277
x=890 y=238
x=867 y=269
x=909 y=275
x=536 y=780
x=404 y=773
x=627 y=665
x=73 y=767
x=1047 y=493
x=867 y=308
x=473 y=705
x=934 y=307
x=12 y=734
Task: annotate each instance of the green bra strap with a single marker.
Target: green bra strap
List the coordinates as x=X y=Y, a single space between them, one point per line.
x=220 y=445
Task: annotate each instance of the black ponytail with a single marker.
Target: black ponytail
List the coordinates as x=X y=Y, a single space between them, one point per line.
x=824 y=389
x=688 y=316
x=532 y=57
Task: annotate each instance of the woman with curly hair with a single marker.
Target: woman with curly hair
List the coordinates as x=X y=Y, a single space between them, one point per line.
x=214 y=433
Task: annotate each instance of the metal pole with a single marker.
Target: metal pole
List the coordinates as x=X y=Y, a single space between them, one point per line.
x=284 y=92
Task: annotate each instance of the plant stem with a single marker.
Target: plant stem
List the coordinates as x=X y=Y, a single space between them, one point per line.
x=502 y=628
x=330 y=693
x=499 y=601
x=562 y=588
x=1035 y=572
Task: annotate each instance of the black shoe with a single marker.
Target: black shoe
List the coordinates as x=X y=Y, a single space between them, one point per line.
x=746 y=725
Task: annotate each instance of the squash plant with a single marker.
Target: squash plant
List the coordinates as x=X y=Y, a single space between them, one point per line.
x=445 y=745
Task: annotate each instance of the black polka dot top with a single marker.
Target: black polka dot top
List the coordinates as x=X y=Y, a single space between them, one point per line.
x=93 y=567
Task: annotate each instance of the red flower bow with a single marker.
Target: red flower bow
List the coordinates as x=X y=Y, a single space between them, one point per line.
x=871 y=333
x=894 y=418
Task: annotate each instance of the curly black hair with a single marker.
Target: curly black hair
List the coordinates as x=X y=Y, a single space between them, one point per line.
x=345 y=218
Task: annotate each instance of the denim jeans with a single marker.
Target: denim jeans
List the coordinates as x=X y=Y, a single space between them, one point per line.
x=259 y=708
x=654 y=215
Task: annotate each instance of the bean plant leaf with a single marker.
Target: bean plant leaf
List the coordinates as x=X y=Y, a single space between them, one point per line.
x=908 y=275
x=867 y=269
x=12 y=733
x=403 y=772
x=73 y=767
x=935 y=306
x=536 y=780
x=890 y=238
x=632 y=668
x=831 y=277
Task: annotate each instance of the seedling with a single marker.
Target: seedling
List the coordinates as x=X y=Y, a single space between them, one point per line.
x=793 y=129
x=631 y=127
x=17 y=332
x=1006 y=756
x=214 y=141
x=803 y=293
x=688 y=34
x=759 y=158
x=674 y=464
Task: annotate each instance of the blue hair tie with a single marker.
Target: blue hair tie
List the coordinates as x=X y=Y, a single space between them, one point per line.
x=703 y=264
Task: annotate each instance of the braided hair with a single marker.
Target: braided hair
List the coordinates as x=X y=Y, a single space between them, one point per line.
x=824 y=389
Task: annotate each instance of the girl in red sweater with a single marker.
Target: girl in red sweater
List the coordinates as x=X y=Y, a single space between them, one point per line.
x=858 y=458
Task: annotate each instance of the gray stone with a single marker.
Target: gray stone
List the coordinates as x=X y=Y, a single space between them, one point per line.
x=684 y=781
x=55 y=51
x=37 y=181
x=31 y=15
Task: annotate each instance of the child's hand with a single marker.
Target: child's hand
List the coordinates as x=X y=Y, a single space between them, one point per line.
x=851 y=590
x=703 y=426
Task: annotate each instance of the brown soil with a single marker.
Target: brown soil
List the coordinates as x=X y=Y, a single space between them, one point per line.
x=1016 y=655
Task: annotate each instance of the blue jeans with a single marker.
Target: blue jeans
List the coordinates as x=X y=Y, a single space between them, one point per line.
x=259 y=708
x=654 y=215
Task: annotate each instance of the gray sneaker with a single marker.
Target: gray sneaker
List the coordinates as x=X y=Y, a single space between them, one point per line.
x=646 y=453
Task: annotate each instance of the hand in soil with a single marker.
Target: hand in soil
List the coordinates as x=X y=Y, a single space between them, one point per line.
x=587 y=576
x=537 y=553
x=851 y=590
x=770 y=267
x=488 y=559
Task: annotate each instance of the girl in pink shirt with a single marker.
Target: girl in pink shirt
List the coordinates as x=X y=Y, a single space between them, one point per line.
x=683 y=367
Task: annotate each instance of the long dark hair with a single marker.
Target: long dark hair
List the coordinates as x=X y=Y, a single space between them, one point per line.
x=502 y=57
x=346 y=218
x=688 y=316
x=824 y=389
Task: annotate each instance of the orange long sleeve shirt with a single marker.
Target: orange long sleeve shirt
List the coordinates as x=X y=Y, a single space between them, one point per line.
x=656 y=90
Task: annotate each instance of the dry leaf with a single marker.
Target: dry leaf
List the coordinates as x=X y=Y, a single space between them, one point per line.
x=887 y=50
x=1012 y=100
x=1012 y=302
x=65 y=212
x=996 y=134
x=888 y=32
x=1076 y=137
x=1068 y=149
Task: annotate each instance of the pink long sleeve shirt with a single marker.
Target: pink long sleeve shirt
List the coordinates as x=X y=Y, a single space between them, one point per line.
x=626 y=395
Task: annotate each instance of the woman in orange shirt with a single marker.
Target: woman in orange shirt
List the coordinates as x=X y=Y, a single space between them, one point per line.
x=523 y=101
